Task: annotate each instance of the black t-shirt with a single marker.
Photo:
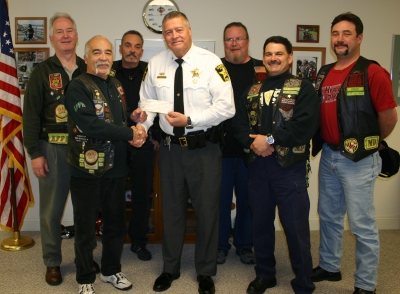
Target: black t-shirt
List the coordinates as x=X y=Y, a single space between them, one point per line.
x=242 y=76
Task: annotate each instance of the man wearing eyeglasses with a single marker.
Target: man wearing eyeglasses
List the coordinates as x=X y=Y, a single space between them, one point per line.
x=243 y=71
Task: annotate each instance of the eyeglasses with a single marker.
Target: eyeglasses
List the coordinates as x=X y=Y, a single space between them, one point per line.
x=238 y=40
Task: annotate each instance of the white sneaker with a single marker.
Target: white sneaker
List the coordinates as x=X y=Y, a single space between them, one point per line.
x=118 y=280
x=86 y=289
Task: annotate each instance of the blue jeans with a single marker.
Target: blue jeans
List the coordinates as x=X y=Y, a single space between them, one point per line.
x=234 y=176
x=345 y=185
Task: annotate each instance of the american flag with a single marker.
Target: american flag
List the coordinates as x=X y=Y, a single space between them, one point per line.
x=12 y=153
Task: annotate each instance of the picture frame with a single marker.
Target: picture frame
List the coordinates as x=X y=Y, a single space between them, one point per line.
x=307 y=33
x=30 y=30
x=395 y=68
x=307 y=61
x=26 y=59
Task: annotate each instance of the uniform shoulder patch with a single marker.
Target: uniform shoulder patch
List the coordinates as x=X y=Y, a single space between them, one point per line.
x=223 y=73
x=145 y=73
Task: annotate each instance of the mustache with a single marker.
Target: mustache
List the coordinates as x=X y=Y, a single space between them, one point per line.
x=340 y=43
x=274 y=62
x=132 y=54
x=99 y=63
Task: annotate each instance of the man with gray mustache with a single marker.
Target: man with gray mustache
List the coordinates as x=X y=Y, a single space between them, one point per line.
x=97 y=152
x=129 y=71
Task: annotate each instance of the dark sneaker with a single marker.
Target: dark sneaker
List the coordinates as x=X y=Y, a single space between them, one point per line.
x=221 y=257
x=246 y=256
x=142 y=252
x=319 y=275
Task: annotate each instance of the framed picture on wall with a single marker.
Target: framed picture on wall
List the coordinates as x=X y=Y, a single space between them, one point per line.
x=27 y=59
x=395 y=68
x=307 y=61
x=30 y=30
x=307 y=34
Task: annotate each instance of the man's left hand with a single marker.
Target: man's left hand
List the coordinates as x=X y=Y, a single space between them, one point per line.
x=260 y=145
x=176 y=119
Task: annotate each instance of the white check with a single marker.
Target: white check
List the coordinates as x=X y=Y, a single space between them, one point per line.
x=151 y=105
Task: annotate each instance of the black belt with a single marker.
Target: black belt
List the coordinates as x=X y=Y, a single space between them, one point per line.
x=334 y=147
x=183 y=141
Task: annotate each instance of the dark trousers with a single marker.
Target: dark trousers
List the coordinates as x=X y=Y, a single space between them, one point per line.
x=141 y=177
x=89 y=195
x=234 y=178
x=271 y=186
x=194 y=174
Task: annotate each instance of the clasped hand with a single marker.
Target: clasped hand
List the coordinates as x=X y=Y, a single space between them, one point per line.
x=139 y=136
x=260 y=145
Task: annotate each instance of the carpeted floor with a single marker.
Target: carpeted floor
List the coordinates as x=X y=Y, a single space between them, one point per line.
x=23 y=272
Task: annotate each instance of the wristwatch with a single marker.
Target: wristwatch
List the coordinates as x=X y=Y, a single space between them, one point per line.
x=270 y=140
x=189 y=123
x=154 y=12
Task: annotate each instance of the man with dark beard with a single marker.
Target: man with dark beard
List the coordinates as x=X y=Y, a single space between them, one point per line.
x=129 y=71
x=283 y=113
x=357 y=112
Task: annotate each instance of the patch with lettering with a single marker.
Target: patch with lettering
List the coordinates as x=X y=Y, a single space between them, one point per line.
x=55 y=80
x=58 y=138
x=282 y=151
x=351 y=145
x=355 y=84
x=288 y=100
x=299 y=149
x=371 y=142
x=61 y=113
x=223 y=73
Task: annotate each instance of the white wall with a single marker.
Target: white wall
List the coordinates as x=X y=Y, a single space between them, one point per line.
x=263 y=18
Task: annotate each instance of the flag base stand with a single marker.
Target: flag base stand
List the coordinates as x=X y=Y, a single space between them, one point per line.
x=17 y=243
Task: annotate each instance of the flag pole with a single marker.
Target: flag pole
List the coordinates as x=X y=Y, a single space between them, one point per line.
x=17 y=242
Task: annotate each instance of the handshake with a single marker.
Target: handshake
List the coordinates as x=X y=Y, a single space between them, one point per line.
x=139 y=132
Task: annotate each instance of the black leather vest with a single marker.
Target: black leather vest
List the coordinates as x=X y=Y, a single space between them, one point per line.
x=282 y=111
x=91 y=155
x=357 y=118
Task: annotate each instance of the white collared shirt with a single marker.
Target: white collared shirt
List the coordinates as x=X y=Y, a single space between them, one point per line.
x=207 y=93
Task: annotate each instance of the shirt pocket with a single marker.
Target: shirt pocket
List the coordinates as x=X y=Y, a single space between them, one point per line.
x=164 y=89
x=198 y=94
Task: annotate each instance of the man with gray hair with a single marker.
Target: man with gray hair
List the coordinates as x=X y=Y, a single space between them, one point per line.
x=97 y=152
x=45 y=132
x=196 y=82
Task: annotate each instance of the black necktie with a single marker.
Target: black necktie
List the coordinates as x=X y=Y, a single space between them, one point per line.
x=178 y=96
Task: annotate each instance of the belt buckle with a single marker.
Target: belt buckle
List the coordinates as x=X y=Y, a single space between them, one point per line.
x=183 y=142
